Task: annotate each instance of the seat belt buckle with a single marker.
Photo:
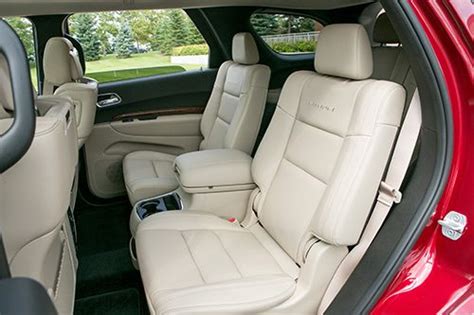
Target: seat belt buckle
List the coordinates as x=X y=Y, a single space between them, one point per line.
x=388 y=195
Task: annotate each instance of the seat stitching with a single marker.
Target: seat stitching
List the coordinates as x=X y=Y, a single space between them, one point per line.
x=320 y=128
x=326 y=215
x=227 y=252
x=307 y=172
x=241 y=286
x=192 y=257
x=303 y=86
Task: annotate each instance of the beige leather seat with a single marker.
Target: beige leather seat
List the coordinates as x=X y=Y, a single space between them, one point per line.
x=390 y=60
x=317 y=170
x=231 y=120
x=64 y=76
x=35 y=196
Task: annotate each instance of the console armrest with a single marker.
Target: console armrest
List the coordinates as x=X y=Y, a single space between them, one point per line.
x=214 y=171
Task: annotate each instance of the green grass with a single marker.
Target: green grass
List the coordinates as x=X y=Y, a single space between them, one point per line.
x=110 y=76
x=109 y=68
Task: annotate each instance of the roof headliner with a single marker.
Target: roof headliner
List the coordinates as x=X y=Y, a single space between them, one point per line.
x=44 y=7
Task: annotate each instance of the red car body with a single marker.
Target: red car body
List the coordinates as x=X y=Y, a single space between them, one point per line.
x=438 y=274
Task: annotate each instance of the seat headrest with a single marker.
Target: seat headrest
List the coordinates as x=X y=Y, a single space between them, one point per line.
x=6 y=95
x=61 y=62
x=244 y=49
x=384 y=32
x=344 y=50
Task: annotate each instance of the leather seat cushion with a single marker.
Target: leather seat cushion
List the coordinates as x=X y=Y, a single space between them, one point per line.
x=148 y=174
x=200 y=262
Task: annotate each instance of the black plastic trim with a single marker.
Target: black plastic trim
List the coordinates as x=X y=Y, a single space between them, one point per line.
x=17 y=139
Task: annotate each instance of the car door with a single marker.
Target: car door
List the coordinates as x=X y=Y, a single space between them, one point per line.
x=151 y=97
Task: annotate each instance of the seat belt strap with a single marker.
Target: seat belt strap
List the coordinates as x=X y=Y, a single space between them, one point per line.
x=388 y=195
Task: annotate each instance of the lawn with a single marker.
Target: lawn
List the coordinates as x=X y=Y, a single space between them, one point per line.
x=109 y=68
x=117 y=75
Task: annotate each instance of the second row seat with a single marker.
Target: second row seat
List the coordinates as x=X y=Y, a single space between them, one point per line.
x=231 y=120
x=317 y=170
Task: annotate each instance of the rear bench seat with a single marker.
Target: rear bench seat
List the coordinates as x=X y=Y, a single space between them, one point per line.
x=317 y=171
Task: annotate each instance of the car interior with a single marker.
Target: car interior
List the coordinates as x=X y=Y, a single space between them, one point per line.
x=239 y=187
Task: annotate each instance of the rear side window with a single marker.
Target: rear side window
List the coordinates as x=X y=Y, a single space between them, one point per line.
x=287 y=34
x=24 y=29
x=133 y=44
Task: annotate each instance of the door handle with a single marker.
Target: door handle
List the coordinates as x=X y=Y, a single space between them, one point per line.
x=108 y=99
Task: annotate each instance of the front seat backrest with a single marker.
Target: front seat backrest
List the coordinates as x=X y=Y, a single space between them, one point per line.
x=35 y=196
x=64 y=76
x=327 y=145
x=234 y=111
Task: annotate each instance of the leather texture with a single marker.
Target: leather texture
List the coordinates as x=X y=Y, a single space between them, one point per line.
x=244 y=49
x=64 y=76
x=212 y=259
x=344 y=51
x=61 y=62
x=232 y=116
x=34 y=198
x=206 y=171
x=147 y=172
x=317 y=169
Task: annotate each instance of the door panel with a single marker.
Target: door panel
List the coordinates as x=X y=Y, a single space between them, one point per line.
x=110 y=142
x=161 y=114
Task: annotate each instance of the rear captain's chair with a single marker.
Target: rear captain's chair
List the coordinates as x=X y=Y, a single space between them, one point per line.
x=64 y=76
x=231 y=120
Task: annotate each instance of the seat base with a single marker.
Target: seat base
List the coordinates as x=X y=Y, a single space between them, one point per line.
x=200 y=262
x=148 y=174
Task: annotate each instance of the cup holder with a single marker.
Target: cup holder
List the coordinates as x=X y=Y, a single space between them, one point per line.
x=152 y=206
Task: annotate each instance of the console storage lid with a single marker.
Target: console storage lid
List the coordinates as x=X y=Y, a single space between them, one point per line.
x=214 y=171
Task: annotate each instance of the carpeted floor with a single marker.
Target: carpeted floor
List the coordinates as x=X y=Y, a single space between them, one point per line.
x=107 y=283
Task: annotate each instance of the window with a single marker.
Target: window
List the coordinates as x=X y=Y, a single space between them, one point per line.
x=24 y=29
x=132 y=44
x=287 y=34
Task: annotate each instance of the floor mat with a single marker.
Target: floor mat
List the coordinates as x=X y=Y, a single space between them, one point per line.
x=123 y=302
x=107 y=282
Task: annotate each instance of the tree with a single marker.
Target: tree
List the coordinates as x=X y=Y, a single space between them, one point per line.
x=84 y=27
x=178 y=26
x=107 y=30
x=143 y=25
x=24 y=30
x=124 y=41
x=265 y=24
x=163 y=38
x=194 y=36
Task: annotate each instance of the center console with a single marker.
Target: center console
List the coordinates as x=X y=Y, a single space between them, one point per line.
x=217 y=181
x=150 y=206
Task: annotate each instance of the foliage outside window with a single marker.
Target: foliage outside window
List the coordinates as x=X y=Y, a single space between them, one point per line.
x=131 y=44
x=24 y=30
x=287 y=34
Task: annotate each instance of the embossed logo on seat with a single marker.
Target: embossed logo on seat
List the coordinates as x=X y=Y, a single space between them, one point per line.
x=326 y=108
